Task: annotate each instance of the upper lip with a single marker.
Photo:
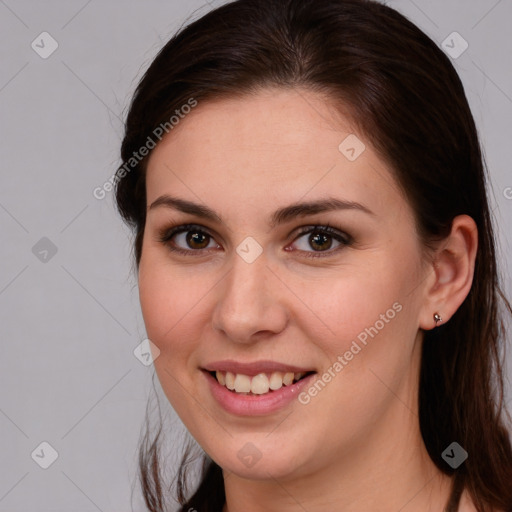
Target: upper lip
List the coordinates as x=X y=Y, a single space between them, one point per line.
x=254 y=368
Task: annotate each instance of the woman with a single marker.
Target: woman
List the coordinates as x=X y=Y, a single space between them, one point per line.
x=316 y=264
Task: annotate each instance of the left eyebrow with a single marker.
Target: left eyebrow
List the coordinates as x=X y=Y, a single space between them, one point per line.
x=311 y=208
x=280 y=216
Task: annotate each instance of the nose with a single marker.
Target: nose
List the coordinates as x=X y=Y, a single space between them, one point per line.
x=250 y=304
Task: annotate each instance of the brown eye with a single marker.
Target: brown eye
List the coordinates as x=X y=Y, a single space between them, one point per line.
x=187 y=239
x=197 y=239
x=321 y=240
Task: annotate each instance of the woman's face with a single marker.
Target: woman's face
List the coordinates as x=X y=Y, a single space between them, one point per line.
x=255 y=290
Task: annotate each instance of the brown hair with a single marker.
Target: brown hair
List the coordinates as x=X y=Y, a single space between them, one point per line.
x=407 y=99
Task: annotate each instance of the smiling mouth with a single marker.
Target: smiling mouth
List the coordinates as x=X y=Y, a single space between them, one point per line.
x=259 y=384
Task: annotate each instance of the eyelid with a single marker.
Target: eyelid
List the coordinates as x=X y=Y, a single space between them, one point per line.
x=165 y=235
x=324 y=228
x=169 y=231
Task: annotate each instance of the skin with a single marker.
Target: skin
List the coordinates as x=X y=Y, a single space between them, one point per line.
x=356 y=446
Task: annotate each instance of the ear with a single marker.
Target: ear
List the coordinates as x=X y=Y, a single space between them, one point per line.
x=452 y=270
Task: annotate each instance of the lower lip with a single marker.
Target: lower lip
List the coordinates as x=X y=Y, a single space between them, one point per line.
x=254 y=405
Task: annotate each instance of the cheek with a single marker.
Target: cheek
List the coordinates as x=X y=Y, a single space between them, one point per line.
x=167 y=302
x=368 y=349
x=169 y=296
x=358 y=301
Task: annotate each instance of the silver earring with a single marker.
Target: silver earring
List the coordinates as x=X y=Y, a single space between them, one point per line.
x=437 y=318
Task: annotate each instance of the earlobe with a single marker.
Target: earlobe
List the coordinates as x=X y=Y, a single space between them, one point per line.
x=453 y=266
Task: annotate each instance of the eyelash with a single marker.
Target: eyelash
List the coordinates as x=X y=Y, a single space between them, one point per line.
x=344 y=239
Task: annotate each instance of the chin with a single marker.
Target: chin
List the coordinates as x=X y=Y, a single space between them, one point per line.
x=255 y=461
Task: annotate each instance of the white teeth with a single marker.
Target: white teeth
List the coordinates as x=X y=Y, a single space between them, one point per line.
x=276 y=381
x=288 y=378
x=230 y=380
x=220 y=378
x=259 y=384
x=242 y=383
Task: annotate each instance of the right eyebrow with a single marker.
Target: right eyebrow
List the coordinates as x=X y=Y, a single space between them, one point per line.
x=186 y=206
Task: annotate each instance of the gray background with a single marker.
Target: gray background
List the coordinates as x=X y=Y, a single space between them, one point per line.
x=70 y=321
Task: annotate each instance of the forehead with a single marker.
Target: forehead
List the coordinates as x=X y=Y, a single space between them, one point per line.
x=276 y=146
x=278 y=120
